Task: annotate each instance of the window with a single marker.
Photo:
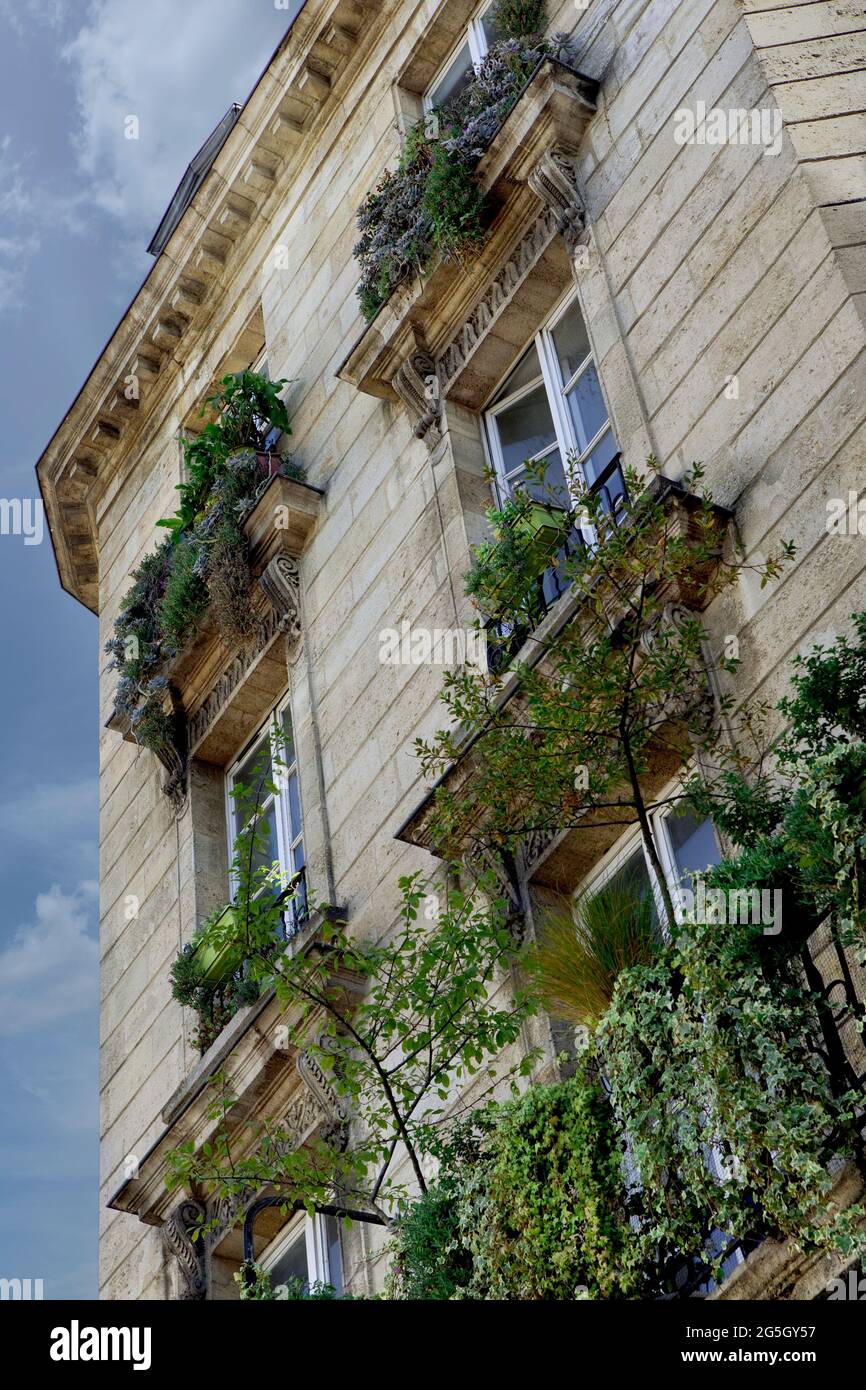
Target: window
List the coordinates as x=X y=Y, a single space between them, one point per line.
x=457 y=71
x=272 y=437
x=279 y=810
x=551 y=407
x=684 y=844
x=309 y=1251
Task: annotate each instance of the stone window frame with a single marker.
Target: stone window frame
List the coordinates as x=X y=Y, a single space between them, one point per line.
x=312 y=1229
x=289 y=840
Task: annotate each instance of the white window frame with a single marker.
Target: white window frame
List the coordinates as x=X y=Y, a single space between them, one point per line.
x=315 y=1236
x=556 y=389
x=289 y=837
x=478 y=50
x=632 y=839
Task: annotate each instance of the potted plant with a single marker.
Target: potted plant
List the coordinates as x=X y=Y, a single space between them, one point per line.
x=214 y=961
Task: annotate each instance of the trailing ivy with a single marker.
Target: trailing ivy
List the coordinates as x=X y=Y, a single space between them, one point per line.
x=729 y=1110
x=529 y=1204
x=432 y=202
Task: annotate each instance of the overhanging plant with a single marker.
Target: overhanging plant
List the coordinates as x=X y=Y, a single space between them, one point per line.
x=624 y=679
x=432 y=202
x=203 y=564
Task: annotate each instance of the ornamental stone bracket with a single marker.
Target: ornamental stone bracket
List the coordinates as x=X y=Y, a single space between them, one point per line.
x=189 y=1254
x=554 y=180
x=422 y=348
x=417 y=385
x=280 y=582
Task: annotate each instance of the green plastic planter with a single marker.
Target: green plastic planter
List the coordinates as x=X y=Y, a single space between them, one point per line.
x=543 y=531
x=218 y=962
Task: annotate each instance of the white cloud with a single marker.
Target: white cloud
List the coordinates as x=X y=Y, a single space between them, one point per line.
x=49 y=969
x=124 y=65
x=22 y=15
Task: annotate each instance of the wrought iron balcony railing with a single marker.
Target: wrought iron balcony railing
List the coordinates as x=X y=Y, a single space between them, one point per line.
x=505 y=638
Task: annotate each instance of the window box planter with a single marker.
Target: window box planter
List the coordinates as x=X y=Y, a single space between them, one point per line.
x=422 y=313
x=218 y=962
x=542 y=531
x=279 y=525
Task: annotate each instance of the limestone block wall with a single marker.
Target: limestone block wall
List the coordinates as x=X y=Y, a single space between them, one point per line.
x=713 y=262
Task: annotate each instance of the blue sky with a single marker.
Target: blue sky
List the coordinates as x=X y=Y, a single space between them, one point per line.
x=78 y=205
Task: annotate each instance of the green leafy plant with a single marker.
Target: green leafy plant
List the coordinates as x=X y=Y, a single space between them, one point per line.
x=204 y=563
x=529 y=1203
x=248 y=406
x=432 y=202
x=427 y=1020
x=622 y=684
x=729 y=1111
x=581 y=953
x=519 y=18
x=256 y=1283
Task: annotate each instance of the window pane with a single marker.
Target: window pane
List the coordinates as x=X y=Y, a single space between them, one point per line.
x=552 y=489
x=693 y=845
x=528 y=369
x=288 y=748
x=571 y=341
x=332 y=1240
x=633 y=874
x=266 y=849
x=492 y=32
x=294 y=804
x=525 y=428
x=586 y=406
x=598 y=460
x=256 y=767
x=454 y=79
x=292 y=1264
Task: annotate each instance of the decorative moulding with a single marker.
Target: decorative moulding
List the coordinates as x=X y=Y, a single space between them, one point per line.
x=217 y=696
x=424 y=343
x=167 y=323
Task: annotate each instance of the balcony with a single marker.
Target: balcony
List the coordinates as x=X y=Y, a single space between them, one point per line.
x=216 y=695
x=506 y=638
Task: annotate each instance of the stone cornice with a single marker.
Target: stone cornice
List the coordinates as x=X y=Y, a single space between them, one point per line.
x=144 y=363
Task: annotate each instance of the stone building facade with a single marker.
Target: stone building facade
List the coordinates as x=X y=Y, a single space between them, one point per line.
x=717 y=290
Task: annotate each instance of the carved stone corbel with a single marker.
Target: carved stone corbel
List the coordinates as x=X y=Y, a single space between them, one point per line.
x=332 y=1106
x=281 y=584
x=189 y=1253
x=484 y=858
x=417 y=385
x=674 y=618
x=554 y=180
x=173 y=756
